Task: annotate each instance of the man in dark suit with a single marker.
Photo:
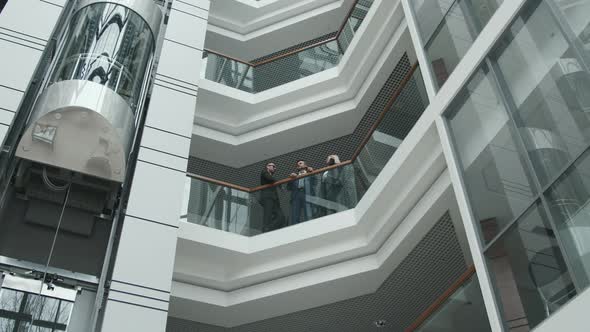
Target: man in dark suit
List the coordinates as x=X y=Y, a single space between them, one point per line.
x=273 y=217
x=300 y=189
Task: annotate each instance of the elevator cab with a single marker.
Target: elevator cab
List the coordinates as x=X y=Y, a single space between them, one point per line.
x=65 y=164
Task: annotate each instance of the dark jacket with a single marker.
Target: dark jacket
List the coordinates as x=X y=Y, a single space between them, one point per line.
x=308 y=183
x=267 y=178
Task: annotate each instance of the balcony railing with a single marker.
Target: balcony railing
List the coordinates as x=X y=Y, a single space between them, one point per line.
x=262 y=75
x=318 y=193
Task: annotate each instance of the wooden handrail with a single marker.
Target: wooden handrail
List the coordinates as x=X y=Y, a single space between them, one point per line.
x=217 y=182
x=289 y=179
x=441 y=299
x=389 y=104
x=366 y=139
x=297 y=50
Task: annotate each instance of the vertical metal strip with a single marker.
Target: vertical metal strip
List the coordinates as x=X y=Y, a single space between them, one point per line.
x=419 y=48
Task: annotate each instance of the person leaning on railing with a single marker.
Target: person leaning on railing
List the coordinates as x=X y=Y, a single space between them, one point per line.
x=331 y=185
x=273 y=217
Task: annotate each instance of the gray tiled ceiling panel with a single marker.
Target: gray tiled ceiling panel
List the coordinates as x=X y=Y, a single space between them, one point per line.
x=404 y=117
x=424 y=275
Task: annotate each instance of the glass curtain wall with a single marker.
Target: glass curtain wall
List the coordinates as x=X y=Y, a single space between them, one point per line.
x=448 y=29
x=521 y=131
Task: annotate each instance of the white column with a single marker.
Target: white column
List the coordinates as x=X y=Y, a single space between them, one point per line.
x=140 y=289
x=473 y=236
x=25 y=28
x=418 y=43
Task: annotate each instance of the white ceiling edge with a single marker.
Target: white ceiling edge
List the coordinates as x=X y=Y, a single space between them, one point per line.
x=317 y=287
x=244 y=17
x=315 y=102
x=285 y=31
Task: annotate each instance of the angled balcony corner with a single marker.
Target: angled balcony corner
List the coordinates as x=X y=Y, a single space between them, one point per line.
x=330 y=189
x=289 y=65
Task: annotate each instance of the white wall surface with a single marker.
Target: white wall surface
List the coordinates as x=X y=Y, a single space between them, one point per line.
x=249 y=29
x=142 y=275
x=573 y=317
x=22 y=41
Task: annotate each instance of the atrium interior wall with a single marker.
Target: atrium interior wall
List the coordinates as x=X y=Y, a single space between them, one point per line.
x=442 y=205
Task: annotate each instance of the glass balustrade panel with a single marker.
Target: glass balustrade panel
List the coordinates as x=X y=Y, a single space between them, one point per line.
x=219 y=207
x=262 y=76
x=464 y=311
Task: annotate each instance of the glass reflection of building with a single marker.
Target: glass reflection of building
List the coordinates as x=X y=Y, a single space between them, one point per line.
x=521 y=131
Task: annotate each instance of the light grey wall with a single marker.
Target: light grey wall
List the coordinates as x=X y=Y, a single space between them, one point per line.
x=573 y=317
x=142 y=275
x=21 y=45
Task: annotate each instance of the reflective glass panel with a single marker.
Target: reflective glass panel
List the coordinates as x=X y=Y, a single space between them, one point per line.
x=569 y=200
x=531 y=277
x=429 y=14
x=449 y=28
x=549 y=87
x=464 y=311
x=498 y=183
x=449 y=43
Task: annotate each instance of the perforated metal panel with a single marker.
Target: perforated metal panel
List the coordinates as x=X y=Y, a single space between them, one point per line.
x=430 y=268
x=295 y=47
x=403 y=120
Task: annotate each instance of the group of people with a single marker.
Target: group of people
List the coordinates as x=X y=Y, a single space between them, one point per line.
x=309 y=198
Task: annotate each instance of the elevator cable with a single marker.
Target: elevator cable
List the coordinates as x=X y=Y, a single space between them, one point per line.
x=53 y=187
